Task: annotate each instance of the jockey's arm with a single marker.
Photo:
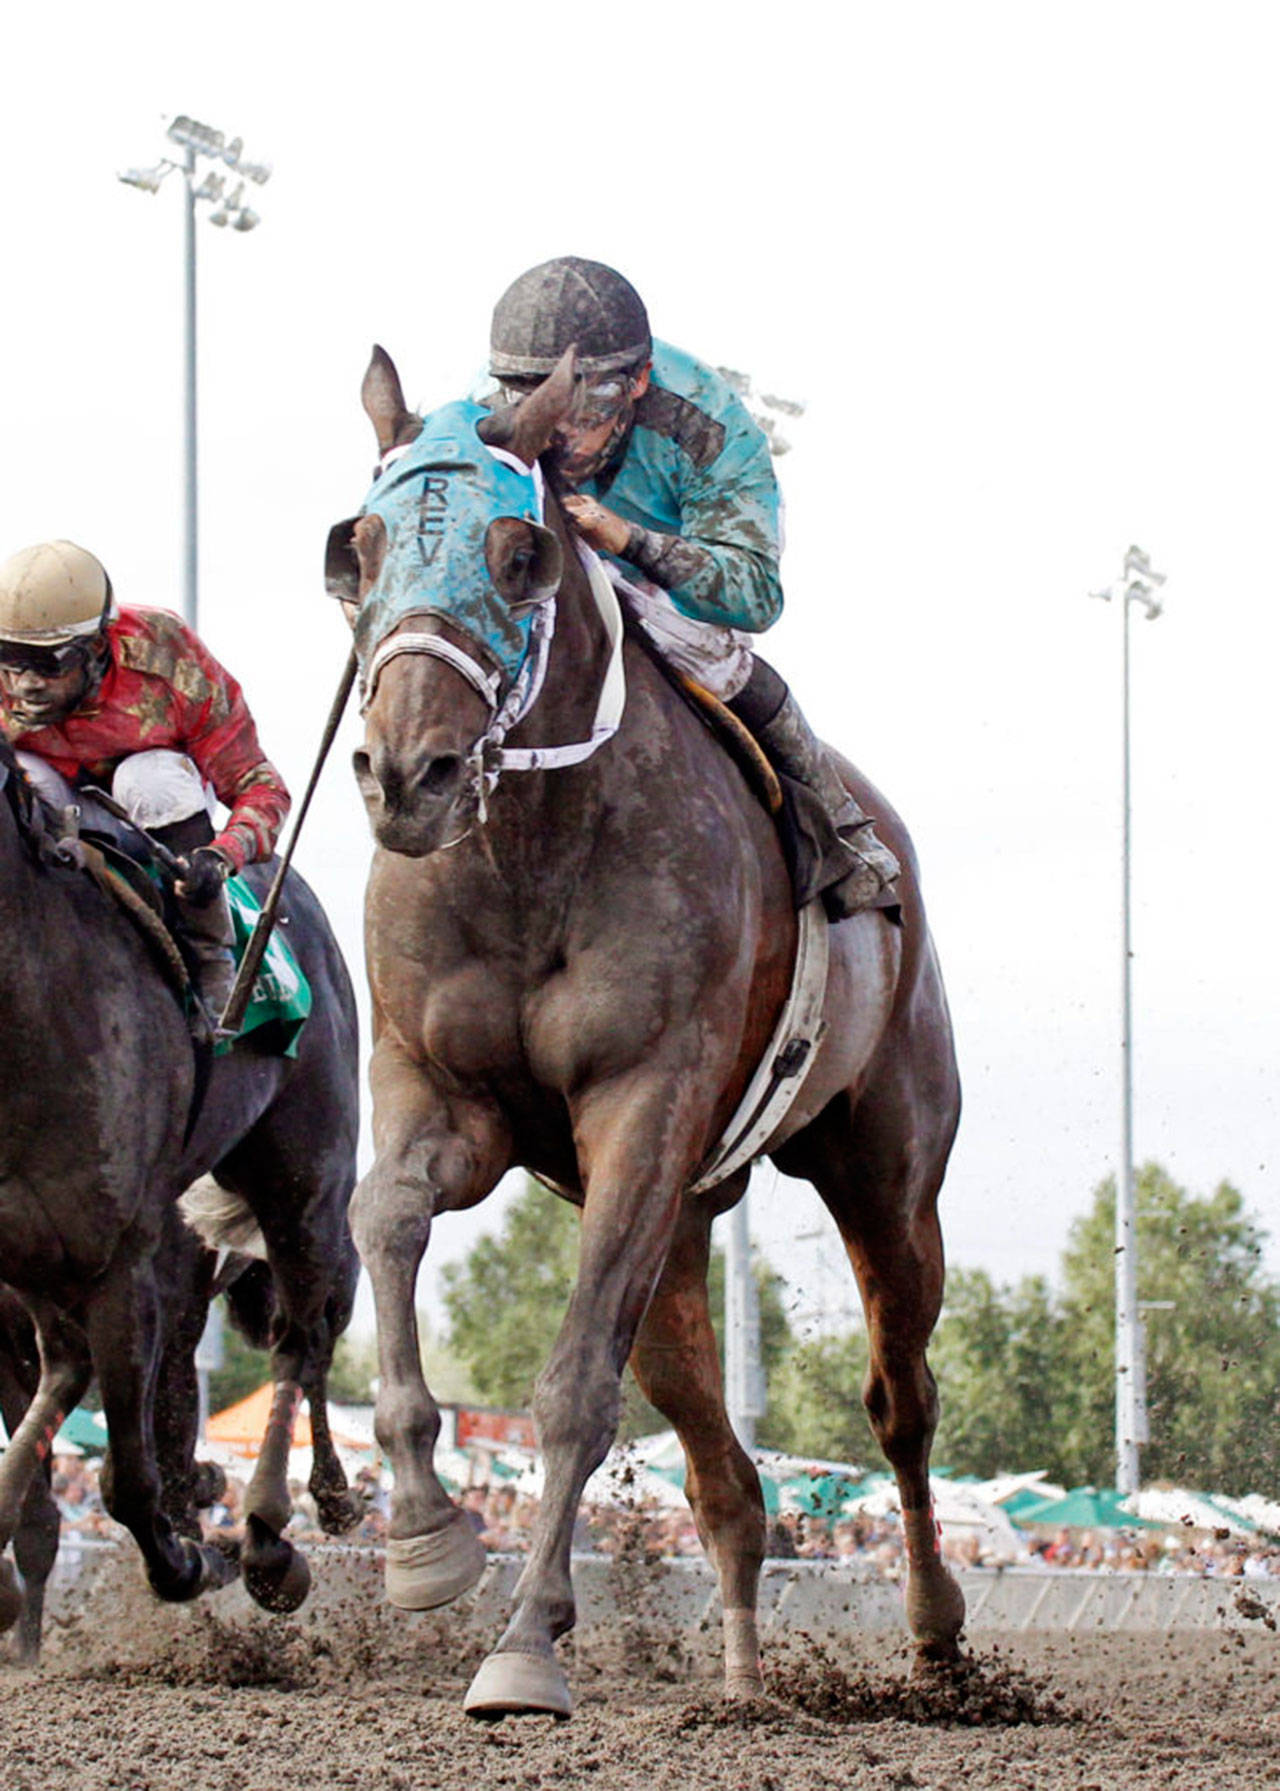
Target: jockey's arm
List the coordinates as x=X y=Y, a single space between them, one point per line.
x=722 y=566
x=223 y=742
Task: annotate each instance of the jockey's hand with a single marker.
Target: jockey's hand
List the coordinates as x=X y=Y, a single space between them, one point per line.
x=205 y=872
x=599 y=528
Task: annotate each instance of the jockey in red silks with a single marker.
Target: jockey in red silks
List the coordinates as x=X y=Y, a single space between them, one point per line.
x=132 y=701
x=667 y=473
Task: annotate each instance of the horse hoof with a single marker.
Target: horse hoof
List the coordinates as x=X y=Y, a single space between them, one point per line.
x=425 y=1571
x=935 y=1612
x=10 y=1597
x=743 y=1688
x=218 y=1568
x=278 y=1578
x=511 y=1684
x=209 y=1482
x=339 y=1512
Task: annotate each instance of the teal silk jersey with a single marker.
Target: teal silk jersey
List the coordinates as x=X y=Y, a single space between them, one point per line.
x=698 y=466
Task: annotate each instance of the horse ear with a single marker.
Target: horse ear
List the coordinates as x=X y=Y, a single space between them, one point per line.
x=527 y=428
x=525 y=561
x=383 y=399
x=353 y=557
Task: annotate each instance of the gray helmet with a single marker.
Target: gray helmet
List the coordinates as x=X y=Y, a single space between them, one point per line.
x=562 y=302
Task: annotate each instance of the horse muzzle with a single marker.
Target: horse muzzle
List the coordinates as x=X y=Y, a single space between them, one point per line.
x=420 y=807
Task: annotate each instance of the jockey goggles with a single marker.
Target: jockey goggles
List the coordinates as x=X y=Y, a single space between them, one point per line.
x=45 y=662
x=595 y=401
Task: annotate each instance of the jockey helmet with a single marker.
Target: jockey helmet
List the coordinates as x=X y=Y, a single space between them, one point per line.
x=564 y=302
x=53 y=594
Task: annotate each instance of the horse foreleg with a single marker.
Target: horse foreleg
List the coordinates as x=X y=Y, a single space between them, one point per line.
x=677 y=1364
x=636 y=1142
x=122 y=1322
x=64 y=1375
x=429 y=1155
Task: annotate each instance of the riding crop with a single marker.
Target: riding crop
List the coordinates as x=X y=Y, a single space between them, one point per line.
x=238 y=1000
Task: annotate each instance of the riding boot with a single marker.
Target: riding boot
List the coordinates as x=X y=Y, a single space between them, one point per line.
x=206 y=927
x=850 y=868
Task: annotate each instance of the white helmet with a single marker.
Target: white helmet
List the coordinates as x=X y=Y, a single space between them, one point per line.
x=53 y=593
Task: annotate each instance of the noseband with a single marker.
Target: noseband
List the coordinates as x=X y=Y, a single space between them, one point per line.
x=488 y=757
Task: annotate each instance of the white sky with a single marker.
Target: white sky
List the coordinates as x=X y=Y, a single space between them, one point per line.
x=1020 y=266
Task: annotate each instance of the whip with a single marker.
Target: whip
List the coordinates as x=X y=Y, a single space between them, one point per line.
x=238 y=1000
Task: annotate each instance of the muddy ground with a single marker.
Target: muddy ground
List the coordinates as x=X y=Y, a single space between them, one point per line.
x=134 y=1697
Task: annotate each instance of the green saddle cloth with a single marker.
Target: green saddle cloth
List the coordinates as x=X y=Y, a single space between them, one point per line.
x=281 y=995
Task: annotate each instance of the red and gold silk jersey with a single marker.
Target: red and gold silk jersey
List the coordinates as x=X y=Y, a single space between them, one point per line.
x=164 y=689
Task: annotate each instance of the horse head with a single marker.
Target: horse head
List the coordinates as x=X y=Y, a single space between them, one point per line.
x=447 y=575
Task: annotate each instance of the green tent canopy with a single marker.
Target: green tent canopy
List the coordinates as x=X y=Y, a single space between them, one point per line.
x=1083 y=1508
x=83 y=1430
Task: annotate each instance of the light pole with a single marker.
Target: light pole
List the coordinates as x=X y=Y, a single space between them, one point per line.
x=1137 y=584
x=743 y=1373
x=197 y=140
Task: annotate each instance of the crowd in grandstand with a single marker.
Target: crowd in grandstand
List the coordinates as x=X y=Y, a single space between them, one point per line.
x=641 y=1530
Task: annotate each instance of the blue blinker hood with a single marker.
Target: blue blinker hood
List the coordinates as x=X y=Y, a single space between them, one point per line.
x=437 y=500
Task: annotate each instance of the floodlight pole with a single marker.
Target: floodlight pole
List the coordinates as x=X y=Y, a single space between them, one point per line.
x=1136 y=586
x=195 y=139
x=743 y=1371
x=190 y=504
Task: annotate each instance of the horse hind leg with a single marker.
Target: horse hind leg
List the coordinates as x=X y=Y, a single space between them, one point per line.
x=883 y=1196
x=339 y=1508
x=677 y=1364
x=64 y=1375
x=35 y=1549
x=122 y=1325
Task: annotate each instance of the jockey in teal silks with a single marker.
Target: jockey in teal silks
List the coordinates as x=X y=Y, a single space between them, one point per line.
x=665 y=471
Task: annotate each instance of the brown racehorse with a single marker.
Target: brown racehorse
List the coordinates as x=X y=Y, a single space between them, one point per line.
x=577 y=970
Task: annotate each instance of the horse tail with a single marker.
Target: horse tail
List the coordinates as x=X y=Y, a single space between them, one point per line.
x=221 y=1219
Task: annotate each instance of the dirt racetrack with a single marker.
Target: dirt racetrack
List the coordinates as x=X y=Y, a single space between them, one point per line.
x=135 y=1697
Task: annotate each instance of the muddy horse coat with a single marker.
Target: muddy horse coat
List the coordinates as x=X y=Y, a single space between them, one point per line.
x=576 y=970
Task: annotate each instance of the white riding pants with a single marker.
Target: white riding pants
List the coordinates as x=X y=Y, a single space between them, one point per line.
x=154 y=788
x=717 y=658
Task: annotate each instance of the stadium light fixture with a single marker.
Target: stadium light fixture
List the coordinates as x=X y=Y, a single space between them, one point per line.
x=202 y=186
x=1138 y=584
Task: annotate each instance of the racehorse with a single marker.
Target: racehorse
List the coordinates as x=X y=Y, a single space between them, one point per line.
x=103 y=1124
x=577 y=970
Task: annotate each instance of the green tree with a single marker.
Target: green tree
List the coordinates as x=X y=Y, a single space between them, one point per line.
x=243 y=1370
x=506 y=1299
x=815 y=1401
x=998 y=1356
x=1213 y=1358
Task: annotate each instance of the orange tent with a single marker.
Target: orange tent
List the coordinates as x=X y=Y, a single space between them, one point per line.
x=242 y=1426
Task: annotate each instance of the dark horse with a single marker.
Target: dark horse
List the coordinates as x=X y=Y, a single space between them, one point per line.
x=97 y=1085
x=188 y=1275
x=577 y=970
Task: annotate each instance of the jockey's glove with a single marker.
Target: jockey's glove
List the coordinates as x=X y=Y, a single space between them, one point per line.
x=206 y=872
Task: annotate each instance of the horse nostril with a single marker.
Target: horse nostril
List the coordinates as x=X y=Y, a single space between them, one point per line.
x=443 y=774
